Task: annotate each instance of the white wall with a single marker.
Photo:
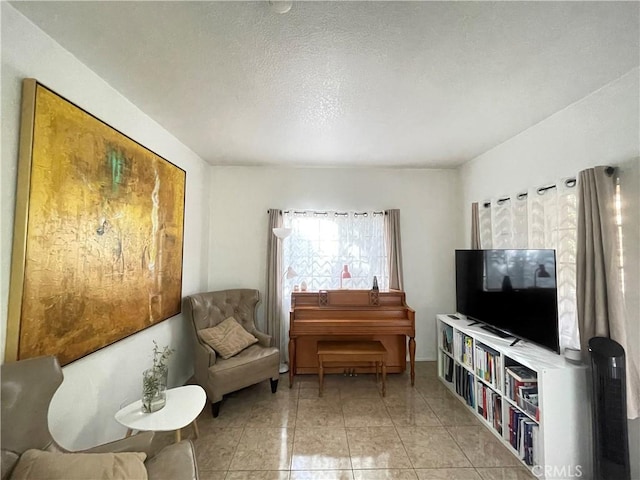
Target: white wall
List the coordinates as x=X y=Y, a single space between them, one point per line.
x=94 y=387
x=428 y=203
x=601 y=129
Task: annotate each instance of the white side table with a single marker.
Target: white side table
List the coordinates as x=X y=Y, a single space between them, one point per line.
x=183 y=406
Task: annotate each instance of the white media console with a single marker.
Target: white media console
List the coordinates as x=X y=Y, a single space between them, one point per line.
x=478 y=367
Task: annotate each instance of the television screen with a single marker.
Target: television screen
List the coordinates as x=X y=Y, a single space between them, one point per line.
x=513 y=291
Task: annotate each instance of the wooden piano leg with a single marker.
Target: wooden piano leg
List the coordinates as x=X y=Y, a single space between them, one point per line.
x=412 y=359
x=321 y=375
x=384 y=378
x=292 y=360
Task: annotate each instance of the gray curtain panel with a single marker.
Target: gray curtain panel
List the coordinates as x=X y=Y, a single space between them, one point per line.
x=599 y=295
x=273 y=293
x=394 y=248
x=475 y=227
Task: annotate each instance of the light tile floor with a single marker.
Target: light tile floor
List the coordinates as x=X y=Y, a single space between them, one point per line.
x=352 y=432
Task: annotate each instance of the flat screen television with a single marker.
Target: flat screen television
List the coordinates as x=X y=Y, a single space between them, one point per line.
x=513 y=292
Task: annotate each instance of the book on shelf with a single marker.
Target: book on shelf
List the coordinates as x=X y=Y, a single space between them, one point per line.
x=523 y=436
x=466 y=349
x=447 y=339
x=521 y=373
x=527 y=399
x=517 y=377
x=447 y=368
x=534 y=445
x=479 y=394
x=497 y=414
x=488 y=364
x=489 y=406
x=464 y=385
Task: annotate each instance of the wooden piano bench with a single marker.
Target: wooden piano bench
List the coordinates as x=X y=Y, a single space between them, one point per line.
x=349 y=352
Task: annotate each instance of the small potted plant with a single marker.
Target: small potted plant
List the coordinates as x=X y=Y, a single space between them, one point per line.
x=154 y=380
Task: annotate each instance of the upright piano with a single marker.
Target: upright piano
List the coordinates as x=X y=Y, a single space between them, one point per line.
x=350 y=315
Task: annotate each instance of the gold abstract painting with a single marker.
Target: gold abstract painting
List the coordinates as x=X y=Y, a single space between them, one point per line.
x=98 y=234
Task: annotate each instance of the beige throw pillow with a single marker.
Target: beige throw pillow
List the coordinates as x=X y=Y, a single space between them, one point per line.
x=41 y=465
x=227 y=338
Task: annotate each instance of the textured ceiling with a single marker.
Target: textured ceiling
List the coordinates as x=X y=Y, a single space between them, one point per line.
x=409 y=84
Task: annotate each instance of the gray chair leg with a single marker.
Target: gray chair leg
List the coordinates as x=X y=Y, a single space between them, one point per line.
x=215 y=408
x=274 y=385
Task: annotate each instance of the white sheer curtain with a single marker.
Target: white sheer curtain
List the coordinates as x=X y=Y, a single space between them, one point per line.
x=322 y=243
x=543 y=218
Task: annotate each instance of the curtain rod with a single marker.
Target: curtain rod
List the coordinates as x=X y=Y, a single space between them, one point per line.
x=324 y=213
x=569 y=182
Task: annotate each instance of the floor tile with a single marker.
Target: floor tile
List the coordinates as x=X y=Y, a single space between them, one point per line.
x=308 y=381
x=233 y=413
x=273 y=413
x=263 y=449
x=376 y=447
x=447 y=474
x=415 y=414
x=360 y=391
x=258 y=475
x=319 y=412
x=320 y=448
x=402 y=395
x=331 y=392
x=365 y=412
x=508 y=473
x=212 y=474
x=451 y=411
x=391 y=474
x=322 y=475
x=426 y=369
x=482 y=448
x=352 y=433
x=431 y=387
x=432 y=447
x=215 y=448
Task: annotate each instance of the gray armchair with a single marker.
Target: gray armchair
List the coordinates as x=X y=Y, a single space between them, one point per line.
x=27 y=389
x=254 y=364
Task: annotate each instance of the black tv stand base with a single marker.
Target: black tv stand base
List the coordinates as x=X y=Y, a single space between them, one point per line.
x=497 y=332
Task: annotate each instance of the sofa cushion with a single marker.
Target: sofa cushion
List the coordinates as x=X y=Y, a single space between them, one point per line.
x=227 y=338
x=38 y=464
x=174 y=462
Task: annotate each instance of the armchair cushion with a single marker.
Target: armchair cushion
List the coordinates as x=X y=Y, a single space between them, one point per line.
x=38 y=464
x=227 y=338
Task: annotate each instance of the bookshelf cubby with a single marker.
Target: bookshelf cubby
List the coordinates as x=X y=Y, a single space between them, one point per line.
x=533 y=400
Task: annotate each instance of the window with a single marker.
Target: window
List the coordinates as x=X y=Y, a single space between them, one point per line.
x=322 y=243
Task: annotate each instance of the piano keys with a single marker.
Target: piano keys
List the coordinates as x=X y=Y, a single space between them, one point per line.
x=350 y=315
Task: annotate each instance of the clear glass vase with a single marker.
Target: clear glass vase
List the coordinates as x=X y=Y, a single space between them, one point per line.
x=154 y=389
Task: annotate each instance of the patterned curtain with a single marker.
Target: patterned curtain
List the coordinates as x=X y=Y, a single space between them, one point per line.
x=553 y=221
x=541 y=218
x=322 y=243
